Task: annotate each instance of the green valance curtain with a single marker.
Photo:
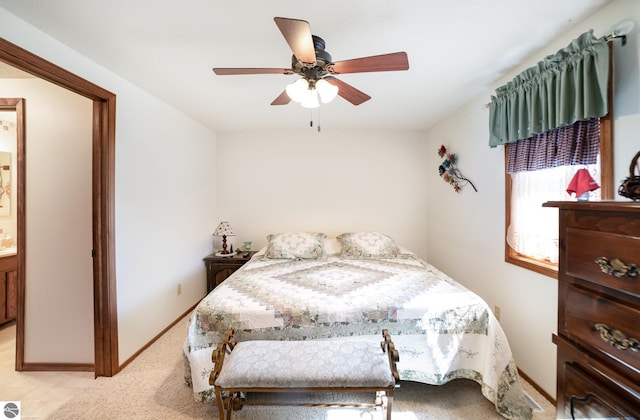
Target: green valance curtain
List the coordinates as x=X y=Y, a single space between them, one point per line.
x=564 y=88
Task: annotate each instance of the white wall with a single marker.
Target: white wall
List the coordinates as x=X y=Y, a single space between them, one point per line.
x=331 y=182
x=165 y=207
x=466 y=231
x=165 y=202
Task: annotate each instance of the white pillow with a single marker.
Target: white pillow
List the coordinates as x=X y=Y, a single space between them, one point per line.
x=367 y=245
x=295 y=245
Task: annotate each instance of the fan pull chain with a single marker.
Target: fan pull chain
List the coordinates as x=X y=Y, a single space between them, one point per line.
x=311 y=118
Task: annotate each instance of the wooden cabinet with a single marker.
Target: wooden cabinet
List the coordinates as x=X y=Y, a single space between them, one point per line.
x=219 y=268
x=598 y=369
x=8 y=288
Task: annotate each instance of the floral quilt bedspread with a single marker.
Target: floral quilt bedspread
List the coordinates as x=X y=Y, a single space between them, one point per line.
x=442 y=330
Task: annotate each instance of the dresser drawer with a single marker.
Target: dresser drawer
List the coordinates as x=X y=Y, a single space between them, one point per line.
x=584 y=247
x=589 y=396
x=607 y=325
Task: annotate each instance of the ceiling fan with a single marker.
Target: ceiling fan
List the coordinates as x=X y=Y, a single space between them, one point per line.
x=314 y=64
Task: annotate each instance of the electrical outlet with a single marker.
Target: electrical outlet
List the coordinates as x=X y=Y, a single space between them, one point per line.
x=496 y=312
x=179 y=289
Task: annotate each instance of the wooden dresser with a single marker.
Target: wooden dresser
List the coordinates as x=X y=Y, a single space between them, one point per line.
x=598 y=369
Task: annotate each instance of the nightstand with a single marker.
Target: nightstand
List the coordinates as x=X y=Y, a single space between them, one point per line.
x=219 y=268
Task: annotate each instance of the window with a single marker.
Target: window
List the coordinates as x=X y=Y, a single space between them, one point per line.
x=531 y=231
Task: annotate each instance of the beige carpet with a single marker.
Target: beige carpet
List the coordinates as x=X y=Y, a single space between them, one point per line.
x=152 y=387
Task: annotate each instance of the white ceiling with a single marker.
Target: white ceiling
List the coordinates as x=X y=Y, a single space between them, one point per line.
x=456 y=50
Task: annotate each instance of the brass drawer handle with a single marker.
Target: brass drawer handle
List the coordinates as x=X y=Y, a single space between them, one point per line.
x=616 y=267
x=616 y=338
x=575 y=399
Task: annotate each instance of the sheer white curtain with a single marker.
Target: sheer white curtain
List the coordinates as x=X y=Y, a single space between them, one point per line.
x=533 y=230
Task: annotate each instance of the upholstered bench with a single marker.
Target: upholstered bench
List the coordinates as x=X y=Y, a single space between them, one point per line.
x=303 y=366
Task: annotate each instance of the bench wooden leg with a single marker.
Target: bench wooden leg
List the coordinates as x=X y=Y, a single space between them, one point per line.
x=219 y=403
x=384 y=399
x=230 y=406
x=389 y=404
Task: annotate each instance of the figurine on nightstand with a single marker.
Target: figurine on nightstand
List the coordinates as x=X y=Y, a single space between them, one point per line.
x=246 y=246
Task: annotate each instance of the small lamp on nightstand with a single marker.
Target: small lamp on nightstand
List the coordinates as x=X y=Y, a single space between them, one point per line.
x=224 y=230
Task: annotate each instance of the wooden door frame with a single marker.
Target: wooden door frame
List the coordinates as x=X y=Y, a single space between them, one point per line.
x=103 y=168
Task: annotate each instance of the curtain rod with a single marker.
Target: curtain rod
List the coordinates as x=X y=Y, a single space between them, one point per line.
x=613 y=36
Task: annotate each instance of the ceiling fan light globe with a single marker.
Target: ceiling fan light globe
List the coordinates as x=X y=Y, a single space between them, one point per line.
x=297 y=90
x=311 y=100
x=326 y=91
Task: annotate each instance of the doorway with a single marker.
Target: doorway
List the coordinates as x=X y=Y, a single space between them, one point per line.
x=11 y=190
x=103 y=252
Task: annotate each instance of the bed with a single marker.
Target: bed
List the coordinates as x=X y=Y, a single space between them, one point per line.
x=303 y=286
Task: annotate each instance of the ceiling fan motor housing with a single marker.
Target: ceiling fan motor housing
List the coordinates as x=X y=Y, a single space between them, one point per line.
x=309 y=70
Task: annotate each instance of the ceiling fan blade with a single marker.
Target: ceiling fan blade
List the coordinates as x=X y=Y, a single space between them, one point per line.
x=231 y=71
x=348 y=92
x=297 y=33
x=384 y=62
x=282 y=99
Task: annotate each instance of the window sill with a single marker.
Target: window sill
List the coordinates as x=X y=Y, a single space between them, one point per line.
x=539 y=266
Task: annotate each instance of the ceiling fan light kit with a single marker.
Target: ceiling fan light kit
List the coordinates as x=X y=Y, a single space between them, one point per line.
x=307 y=92
x=298 y=90
x=311 y=61
x=326 y=91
